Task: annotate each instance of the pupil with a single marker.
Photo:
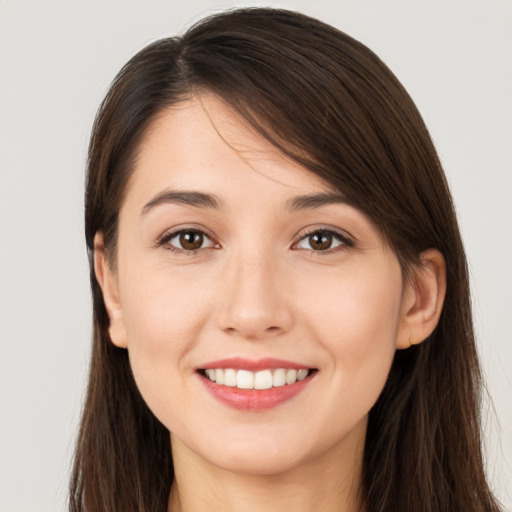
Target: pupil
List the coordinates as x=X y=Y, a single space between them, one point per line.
x=321 y=241
x=191 y=240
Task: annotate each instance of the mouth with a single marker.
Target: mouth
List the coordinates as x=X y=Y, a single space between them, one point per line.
x=262 y=379
x=255 y=385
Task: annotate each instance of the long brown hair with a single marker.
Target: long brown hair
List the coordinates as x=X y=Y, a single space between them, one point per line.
x=331 y=104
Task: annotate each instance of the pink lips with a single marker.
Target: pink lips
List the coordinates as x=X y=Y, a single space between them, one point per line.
x=241 y=363
x=253 y=399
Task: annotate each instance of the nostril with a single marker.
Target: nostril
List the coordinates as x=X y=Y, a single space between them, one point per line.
x=254 y=321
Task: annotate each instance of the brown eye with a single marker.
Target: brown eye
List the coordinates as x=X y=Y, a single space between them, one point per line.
x=189 y=240
x=322 y=241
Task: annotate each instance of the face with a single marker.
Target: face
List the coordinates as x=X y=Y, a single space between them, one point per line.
x=236 y=265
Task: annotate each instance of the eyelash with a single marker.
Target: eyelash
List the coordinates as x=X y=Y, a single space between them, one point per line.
x=167 y=237
x=344 y=244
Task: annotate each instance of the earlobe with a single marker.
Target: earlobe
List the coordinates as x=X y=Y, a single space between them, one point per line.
x=107 y=280
x=423 y=300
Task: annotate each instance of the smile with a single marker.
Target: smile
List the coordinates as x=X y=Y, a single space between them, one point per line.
x=249 y=385
x=263 y=379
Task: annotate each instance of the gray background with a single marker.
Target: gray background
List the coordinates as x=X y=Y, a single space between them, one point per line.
x=56 y=61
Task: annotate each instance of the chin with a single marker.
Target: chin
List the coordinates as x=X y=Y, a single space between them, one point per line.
x=257 y=461
x=266 y=452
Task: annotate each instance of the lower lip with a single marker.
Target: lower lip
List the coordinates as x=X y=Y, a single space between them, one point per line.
x=255 y=399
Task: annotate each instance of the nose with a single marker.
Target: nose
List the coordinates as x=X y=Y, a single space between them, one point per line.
x=254 y=301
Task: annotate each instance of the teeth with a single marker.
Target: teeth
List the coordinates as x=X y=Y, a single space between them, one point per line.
x=244 y=379
x=230 y=377
x=291 y=376
x=279 y=377
x=302 y=374
x=264 y=379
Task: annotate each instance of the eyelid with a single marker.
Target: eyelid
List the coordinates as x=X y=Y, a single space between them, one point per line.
x=346 y=240
x=169 y=234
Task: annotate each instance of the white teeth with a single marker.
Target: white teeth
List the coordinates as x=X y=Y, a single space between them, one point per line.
x=291 y=376
x=244 y=379
x=279 y=378
x=302 y=374
x=263 y=379
x=230 y=377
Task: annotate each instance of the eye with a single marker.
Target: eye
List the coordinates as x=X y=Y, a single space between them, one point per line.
x=187 y=240
x=322 y=241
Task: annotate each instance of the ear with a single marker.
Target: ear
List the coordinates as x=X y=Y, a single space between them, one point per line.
x=423 y=300
x=107 y=280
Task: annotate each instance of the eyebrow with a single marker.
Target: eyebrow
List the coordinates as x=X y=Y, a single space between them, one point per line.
x=307 y=202
x=188 y=198
x=202 y=200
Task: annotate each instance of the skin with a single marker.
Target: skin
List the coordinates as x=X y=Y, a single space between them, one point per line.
x=256 y=288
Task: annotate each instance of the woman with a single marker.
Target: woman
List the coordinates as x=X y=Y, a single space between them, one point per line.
x=281 y=301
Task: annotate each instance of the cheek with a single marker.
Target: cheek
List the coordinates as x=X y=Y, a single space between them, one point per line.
x=357 y=322
x=164 y=314
x=163 y=307
x=355 y=308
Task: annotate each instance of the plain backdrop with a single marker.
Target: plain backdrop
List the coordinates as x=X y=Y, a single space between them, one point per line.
x=56 y=61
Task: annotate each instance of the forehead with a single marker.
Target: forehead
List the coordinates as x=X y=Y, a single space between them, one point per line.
x=202 y=143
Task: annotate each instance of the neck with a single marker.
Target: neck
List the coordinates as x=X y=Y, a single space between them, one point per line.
x=329 y=482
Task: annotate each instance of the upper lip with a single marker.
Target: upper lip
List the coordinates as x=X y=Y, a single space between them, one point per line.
x=241 y=363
